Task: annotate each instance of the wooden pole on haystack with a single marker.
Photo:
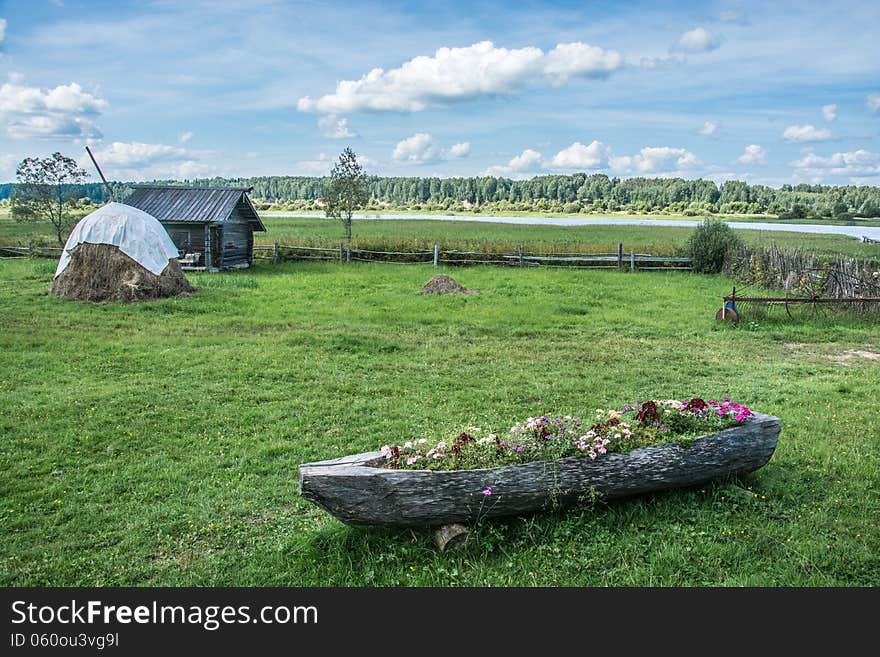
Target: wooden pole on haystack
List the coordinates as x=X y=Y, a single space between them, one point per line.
x=100 y=173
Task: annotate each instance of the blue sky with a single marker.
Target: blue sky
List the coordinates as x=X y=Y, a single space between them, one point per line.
x=770 y=93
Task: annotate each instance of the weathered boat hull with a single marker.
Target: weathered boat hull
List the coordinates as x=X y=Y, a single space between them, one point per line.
x=358 y=491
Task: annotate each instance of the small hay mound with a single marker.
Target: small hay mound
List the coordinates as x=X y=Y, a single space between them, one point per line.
x=443 y=284
x=101 y=272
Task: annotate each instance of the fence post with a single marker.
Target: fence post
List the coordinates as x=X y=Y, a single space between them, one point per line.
x=340 y=252
x=519 y=251
x=620 y=255
x=348 y=253
x=632 y=260
x=276 y=252
x=31 y=248
x=436 y=255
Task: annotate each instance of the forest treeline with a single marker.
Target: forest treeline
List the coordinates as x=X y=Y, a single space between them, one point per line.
x=552 y=193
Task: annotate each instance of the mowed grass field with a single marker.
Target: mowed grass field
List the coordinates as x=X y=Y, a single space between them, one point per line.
x=397 y=234
x=158 y=444
x=470 y=235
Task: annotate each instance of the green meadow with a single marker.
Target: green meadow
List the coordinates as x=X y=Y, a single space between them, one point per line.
x=408 y=234
x=158 y=443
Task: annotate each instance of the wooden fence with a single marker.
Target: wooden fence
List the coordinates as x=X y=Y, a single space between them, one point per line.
x=30 y=251
x=436 y=257
x=804 y=273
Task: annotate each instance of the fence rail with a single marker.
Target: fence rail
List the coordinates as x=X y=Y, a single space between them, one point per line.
x=436 y=257
x=455 y=257
x=9 y=252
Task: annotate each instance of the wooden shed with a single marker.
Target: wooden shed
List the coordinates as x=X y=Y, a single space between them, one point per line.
x=213 y=227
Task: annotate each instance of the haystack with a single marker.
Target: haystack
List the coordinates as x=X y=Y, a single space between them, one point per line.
x=119 y=253
x=443 y=284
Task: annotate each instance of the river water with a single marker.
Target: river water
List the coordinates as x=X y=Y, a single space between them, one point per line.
x=872 y=232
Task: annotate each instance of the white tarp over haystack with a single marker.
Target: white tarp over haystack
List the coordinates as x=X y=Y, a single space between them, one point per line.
x=137 y=234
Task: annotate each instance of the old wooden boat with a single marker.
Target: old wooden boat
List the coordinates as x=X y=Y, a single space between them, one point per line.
x=359 y=491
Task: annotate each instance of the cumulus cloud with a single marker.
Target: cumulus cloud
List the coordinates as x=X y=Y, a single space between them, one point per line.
x=697 y=40
x=855 y=163
x=753 y=154
x=527 y=161
x=658 y=160
x=141 y=161
x=829 y=112
x=462 y=149
x=420 y=148
x=580 y=157
x=458 y=74
x=576 y=59
x=709 y=129
x=185 y=137
x=138 y=154
x=804 y=133
x=64 y=112
x=335 y=128
x=873 y=102
x=661 y=160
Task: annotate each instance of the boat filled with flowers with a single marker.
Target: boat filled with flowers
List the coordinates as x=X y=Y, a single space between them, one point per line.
x=542 y=462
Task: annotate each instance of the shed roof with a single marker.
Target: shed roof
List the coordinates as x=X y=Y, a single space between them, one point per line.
x=169 y=203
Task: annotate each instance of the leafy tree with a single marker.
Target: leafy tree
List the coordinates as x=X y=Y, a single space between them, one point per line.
x=47 y=190
x=347 y=190
x=708 y=244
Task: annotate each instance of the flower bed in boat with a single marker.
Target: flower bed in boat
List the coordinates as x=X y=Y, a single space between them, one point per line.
x=653 y=422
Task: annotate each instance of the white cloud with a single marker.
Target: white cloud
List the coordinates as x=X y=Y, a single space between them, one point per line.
x=873 y=102
x=457 y=74
x=527 y=161
x=420 y=148
x=137 y=154
x=2 y=30
x=335 y=128
x=576 y=59
x=829 y=112
x=753 y=154
x=141 y=161
x=854 y=163
x=185 y=137
x=709 y=128
x=655 y=159
x=417 y=149
x=808 y=132
x=462 y=149
x=698 y=40
x=578 y=156
x=659 y=160
x=65 y=112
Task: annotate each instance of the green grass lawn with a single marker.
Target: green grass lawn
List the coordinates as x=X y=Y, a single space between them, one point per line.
x=396 y=234
x=469 y=235
x=158 y=444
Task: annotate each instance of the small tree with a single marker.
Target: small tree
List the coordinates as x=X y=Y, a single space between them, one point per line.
x=347 y=190
x=47 y=190
x=708 y=244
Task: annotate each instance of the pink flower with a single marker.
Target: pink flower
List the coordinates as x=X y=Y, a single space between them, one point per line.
x=487 y=491
x=412 y=459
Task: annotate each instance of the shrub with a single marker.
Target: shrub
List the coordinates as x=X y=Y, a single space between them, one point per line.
x=708 y=244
